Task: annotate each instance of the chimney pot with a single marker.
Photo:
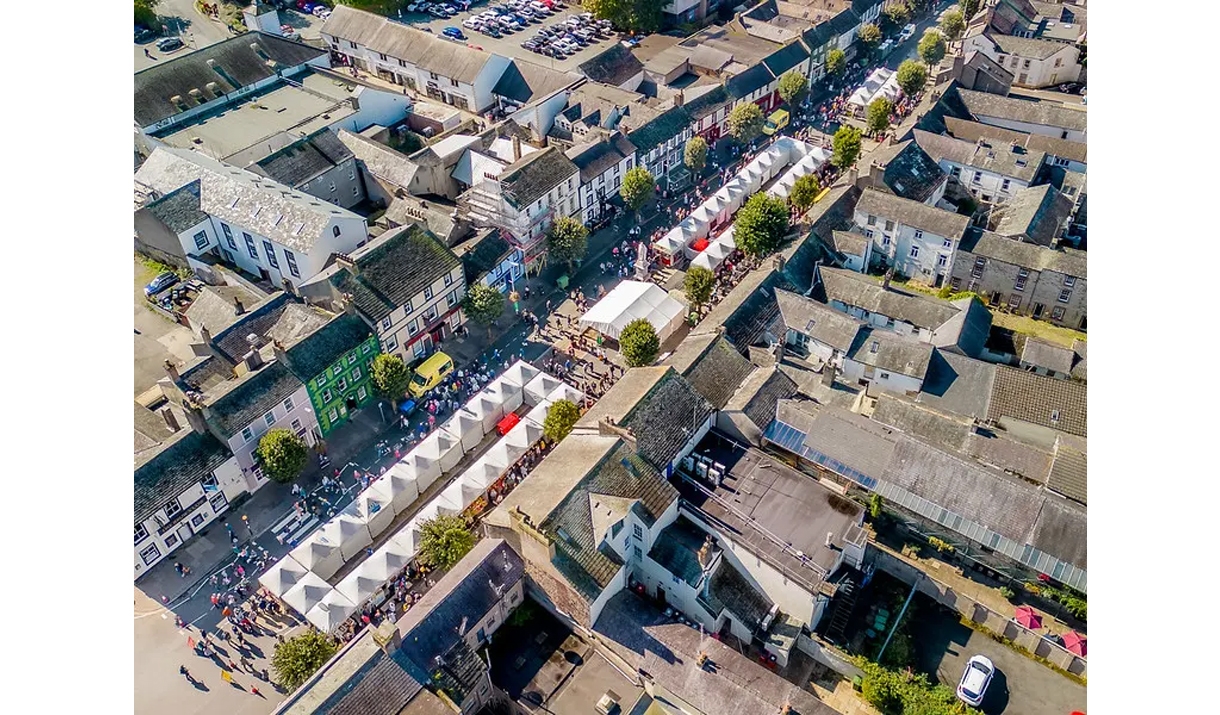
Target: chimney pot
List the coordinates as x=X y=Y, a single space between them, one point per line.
x=516 y=149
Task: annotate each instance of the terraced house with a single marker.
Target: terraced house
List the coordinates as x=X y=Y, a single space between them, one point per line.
x=335 y=363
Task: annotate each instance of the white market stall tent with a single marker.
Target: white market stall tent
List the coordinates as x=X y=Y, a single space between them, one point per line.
x=520 y=373
x=631 y=300
x=466 y=427
x=481 y=474
x=377 y=505
x=539 y=387
x=405 y=542
x=386 y=562
x=450 y=500
x=508 y=394
x=871 y=88
x=307 y=593
x=525 y=435
x=424 y=462
x=537 y=415
x=402 y=484
x=331 y=611
x=487 y=409
x=566 y=392
x=319 y=552
x=283 y=575
x=360 y=585
x=441 y=451
x=353 y=528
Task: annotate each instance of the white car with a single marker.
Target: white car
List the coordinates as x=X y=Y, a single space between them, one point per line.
x=471 y=24
x=975 y=680
x=907 y=33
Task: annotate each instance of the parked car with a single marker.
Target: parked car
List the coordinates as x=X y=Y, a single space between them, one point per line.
x=975 y=680
x=143 y=35
x=169 y=44
x=453 y=32
x=318 y=10
x=907 y=33
x=1070 y=87
x=160 y=283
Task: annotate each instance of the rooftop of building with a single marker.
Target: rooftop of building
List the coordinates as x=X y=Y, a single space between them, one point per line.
x=304 y=160
x=1006 y=159
x=1031 y=111
x=426 y=51
x=310 y=355
x=1068 y=261
x=1037 y=213
x=973 y=131
x=180 y=461
x=615 y=66
x=1037 y=399
x=525 y=82
x=532 y=177
x=236 y=404
x=392 y=269
x=912 y=213
x=908 y=171
x=381 y=161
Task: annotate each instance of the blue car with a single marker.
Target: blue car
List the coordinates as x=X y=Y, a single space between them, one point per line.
x=453 y=32
x=160 y=283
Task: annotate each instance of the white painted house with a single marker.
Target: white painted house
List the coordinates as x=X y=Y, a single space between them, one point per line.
x=1032 y=62
x=991 y=171
x=1048 y=118
x=602 y=166
x=918 y=240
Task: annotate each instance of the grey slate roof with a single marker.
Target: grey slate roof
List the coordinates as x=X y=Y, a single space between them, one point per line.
x=1040 y=400
x=749 y=309
x=992 y=246
x=729 y=589
x=997 y=450
x=861 y=291
x=908 y=171
x=718 y=372
x=215 y=309
x=752 y=80
x=595 y=158
x=761 y=405
x=248 y=398
x=973 y=131
x=659 y=130
x=958 y=384
x=932 y=427
x=1048 y=355
x=966 y=332
x=849 y=243
x=529 y=179
x=380 y=160
x=304 y=159
x=258 y=320
x=817 y=320
x=1026 y=46
x=665 y=420
x=179 y=210
x=381 y=687
x=1051 y=114
x=393 y=269
x=312 y=354
x=1081 y=370
x=525 y=82
x=854 y=441
x=1062 y=530
x=424 y=50
x=676 y=549
x=994 y=156
x=1070 y=473
x=614 y=66
x=889 y=351
x=183 y=459
x=1037 y=213
x=231 y=64
x=785 y=58
x=913 y=213
x=481 y=254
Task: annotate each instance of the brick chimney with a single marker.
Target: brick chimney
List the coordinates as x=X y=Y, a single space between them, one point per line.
x=516 y=149
x=387 y=636
x=205 y=335
x=238 y=308
x=172 y=370
x=885 y=281
x=278 y=348
x=679 y=99
x=828 y=375
x=170 y=420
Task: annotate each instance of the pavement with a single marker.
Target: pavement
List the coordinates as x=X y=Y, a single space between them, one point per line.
x=157 y=339
x=1021 y=686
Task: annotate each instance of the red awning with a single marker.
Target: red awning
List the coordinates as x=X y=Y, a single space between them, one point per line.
x=699 y=244
x=510 y=420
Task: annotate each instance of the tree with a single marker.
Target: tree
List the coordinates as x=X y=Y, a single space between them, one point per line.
x=912 y=76
x=282 y=455
x=484 y=305
x=897 y=14
x=639 y=343
x=568 y=240
x=792 y=87
x=970 y=8
x=444 y=540
x=695 y=154
x=870 y=35
x=632 y=15
x=761 y=225
x=879 y=115
x=952 y=24
x=299 y=657
x=932 y=47
x=146 y=14
x=846 y=145
x=381 y=7
x=638 y=188
x=561 y=416
x=746 y=122
x=390 y=376
x=836 y=62
x=698 y=285
x=804 y=191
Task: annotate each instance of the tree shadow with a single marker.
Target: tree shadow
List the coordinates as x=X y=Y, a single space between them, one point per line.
x=175 y=24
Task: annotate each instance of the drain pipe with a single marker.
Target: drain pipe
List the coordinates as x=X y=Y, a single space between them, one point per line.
x=898 y=618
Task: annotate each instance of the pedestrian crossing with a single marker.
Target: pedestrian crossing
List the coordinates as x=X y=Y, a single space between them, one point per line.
x=294 y=527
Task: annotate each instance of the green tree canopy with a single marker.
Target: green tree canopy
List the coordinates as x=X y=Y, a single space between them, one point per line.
x=390 y=376
x=897 y=14
x=698 y=285
x=639 y=343
x=804 y=191
x=299 y=657
x=695 y=154
x=484 y=305
x=878 y=117
x=632 y=15
x=870 y=35
x=846 y=146
x=381 y=7
x=952 y=24
x=912 y=76
x=561 y=416
x=567 y=240
x=638 y=188
x=932 y=47
x=836 y=62
x=444 y=540
x=760 y=225
x=793 y=86
x=746 y=122
x=282 y=455
x=970 y=8
x=146 y=14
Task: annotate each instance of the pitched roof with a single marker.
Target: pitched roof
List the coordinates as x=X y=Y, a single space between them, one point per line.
x=614 y=66
x=861 y=291
x=238 y=403
x=659 y=130
x=312 y=354
x=849 y=243
x=958 y=384
x=380 y=160
x=393 y=268
x=150 y=428
x=889 y=351
x=1070 y=473
x=818 y=320
x=229 y=64
x=1037 y=399
x=761 y=392
x=482 y=254
x=304 y=159
x=785 y=58
x=182 y=460
x=524 y=82
x=666 y=419
x=708 y=102
x=424 y=50
x=278 y=317
x=1046 y=113
x=1026 y=46
x=1036 y=212
x=913 y=213
x=729 y=590
x=718 y=372
x=1048 y=355
x=908 y=171
x=529 y=179
x=743 y=84
x=997 y=157
x=966 y=332
x=1067 y=261
x=937 y=429
x=381 y=687
x=596 y=157
x=179 y=209
x=214 y=307
x=973 y=131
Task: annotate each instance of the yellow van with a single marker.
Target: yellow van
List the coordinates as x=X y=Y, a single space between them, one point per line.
x=430 y=373
x=777 y=121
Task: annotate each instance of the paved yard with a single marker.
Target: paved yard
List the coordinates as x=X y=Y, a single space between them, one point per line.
x=1021 y=686
x=157 y=339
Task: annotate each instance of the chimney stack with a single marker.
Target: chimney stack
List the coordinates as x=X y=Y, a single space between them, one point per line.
x=679 y=99
x=237 y=306
x=516 y=149
x=387 y=636
x=205 y=335
x=172 y=370
x=828 y=374
x=170 y=420
x=278 y=348
x=885 y=282
x=830 y=539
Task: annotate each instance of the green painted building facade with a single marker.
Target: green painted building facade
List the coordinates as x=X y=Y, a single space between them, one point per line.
x=335 y=363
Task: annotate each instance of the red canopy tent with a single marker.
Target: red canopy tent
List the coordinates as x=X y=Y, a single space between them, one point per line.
x=700 y=244
x=1028 y=618
x=510 y=420
x=1076 y=643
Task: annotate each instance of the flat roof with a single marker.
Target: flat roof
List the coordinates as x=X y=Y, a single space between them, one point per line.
x=262 y=115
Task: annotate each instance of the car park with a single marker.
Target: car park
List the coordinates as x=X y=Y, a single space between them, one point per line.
x=144 y=35
x=973 y=686
x=453 y=33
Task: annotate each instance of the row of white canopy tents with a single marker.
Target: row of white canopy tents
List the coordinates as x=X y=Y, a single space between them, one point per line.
x=299 y=578
x=631 y=300
x=881 y=83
